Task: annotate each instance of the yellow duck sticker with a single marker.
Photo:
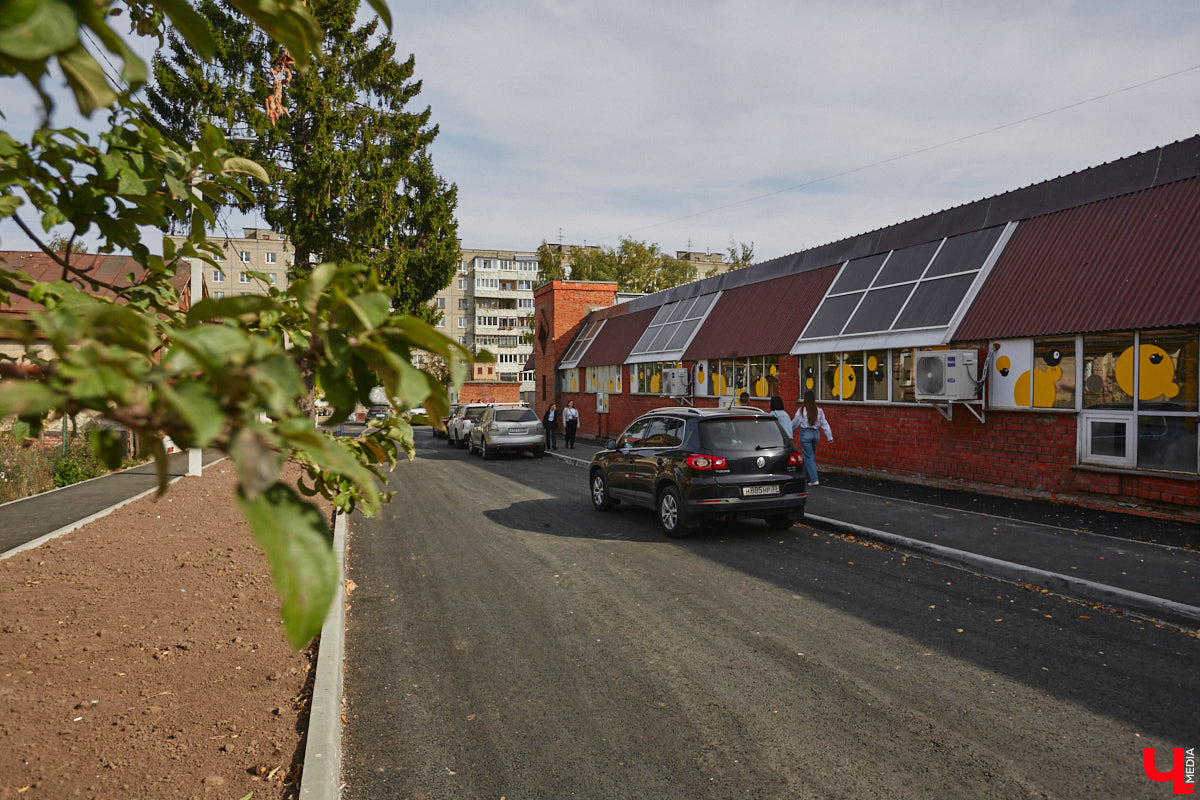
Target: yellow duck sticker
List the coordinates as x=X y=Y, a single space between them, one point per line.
x=845 y=381
x=1156 y=373
x=1043 y=380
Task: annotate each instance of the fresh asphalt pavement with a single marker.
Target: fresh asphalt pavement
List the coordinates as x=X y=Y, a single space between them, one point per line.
x=27 y=519
x=505 y=640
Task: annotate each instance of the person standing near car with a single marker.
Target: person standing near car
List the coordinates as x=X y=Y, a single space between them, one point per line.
x=780 y=414
x=810 y=421
x=570 y=424
x=550 y=423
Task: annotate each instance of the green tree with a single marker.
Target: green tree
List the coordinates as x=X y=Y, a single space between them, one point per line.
x=228 y=373
x=635 y=266
x=351 y=175
x=550 y=264
x=741 y=255
x=61 y=243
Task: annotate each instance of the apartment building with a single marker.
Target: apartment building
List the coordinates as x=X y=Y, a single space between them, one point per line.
x=489 y=305
x=707 y=264
x=259 y=250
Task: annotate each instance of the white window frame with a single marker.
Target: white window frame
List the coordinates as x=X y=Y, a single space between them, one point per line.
x=1126 y=418
x=243 y=277
x=269 y=258
x=244 y=256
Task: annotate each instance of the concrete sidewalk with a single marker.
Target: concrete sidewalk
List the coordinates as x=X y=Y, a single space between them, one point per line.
x=30 y=518
x=1140 y=565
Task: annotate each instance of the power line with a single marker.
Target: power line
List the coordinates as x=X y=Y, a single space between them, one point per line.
x=920 y=151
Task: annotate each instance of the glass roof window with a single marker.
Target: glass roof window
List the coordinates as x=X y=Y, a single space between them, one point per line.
x=581 y=344
x=915 y=288
x=673 y=327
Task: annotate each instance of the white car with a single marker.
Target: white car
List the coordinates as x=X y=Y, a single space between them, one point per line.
x=458 y=429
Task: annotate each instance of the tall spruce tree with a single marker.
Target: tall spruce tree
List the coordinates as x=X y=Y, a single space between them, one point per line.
x=352 y=178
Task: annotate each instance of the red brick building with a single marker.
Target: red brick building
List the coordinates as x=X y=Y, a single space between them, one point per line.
x=1041 y=343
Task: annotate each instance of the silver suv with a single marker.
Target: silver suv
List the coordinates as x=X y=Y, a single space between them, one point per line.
x=508 y=428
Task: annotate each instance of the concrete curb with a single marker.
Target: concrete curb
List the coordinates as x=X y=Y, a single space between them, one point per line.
x=574 y=461
x=1155 y=608
x=321 y=777
x=91 y=517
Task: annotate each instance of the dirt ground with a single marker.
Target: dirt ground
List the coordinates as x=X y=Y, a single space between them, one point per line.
x=142 y=656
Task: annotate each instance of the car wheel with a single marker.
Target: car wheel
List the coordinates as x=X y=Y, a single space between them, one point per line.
x=672 y=516
x=779 y=522
x=449 y=440
x=471 y=446
x=601 y=499
x=487 y=452
x=459 y=443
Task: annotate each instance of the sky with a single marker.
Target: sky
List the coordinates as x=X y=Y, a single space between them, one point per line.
x=779 y=123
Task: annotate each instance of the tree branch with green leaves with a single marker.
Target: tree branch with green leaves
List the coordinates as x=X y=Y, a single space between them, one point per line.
x=231 y=373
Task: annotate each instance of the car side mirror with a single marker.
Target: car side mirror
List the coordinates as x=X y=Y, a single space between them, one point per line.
x=611 y=444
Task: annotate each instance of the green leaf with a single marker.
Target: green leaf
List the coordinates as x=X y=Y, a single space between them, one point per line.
x=190 y=25
x=198 y=408
x=296 y=540
x=108 y=447
x=26 y=398
x=37 y=29
x=214 y=347
x=278 y=383
x=385 y=13
x=9 y=205
x=86 y=79
x=247 y=167
x=258 y=464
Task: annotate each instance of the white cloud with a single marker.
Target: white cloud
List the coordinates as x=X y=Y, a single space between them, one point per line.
x=788 y=124
x=605 y=119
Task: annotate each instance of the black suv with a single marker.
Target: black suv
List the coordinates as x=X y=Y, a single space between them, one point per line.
x=696 y=463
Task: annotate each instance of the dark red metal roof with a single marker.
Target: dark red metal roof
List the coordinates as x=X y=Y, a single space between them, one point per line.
x=1130 y=262
x=616 y=339
x=763 y=318
x=108 y=269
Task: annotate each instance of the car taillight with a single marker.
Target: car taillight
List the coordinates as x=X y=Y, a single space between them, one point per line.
x=704 y=463
x=793 y=459
x=493 y=427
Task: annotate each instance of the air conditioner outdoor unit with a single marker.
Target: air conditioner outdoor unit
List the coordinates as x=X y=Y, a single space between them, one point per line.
x=947 y=375
x=675 y=382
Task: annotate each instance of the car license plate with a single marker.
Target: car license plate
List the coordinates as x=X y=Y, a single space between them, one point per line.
x=515 y=431
x=760 y=491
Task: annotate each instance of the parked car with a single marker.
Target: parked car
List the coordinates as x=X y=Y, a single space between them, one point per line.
x=692 y=464
x=440 y=433
x=379 y=412
x=458 y=429
x=508 y=428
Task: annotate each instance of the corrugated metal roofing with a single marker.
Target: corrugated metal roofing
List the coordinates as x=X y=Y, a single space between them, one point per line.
x=1119 y=264
x=616 y=339
x=761 y=318
x=109 y=269
x=1156 y=167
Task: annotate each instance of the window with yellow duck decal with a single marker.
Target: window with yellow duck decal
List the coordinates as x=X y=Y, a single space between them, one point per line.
x=758 y=375
x=647 y=378
x=1041 y=373
x=1033 y=373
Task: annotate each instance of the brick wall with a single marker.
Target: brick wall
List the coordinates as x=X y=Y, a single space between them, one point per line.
x=489 y=392
x=559 y=309
x=1014 y=453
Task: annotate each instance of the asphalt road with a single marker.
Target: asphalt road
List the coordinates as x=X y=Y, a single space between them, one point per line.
x=507 y=641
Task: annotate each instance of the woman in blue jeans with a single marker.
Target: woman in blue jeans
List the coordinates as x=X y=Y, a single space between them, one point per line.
x=810 y=421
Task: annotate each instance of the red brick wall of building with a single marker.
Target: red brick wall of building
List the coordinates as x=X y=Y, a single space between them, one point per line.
x=489 y=392
x=1014 y=453
x=560 y=307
